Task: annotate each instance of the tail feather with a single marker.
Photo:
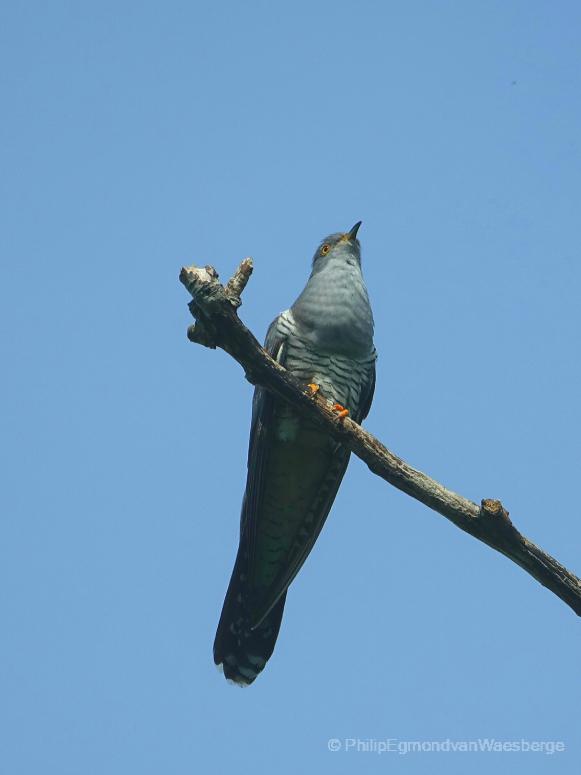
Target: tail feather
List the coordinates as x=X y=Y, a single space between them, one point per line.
x=240 y=651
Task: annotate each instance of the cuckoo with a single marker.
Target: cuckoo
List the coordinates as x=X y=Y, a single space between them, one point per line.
x=294 y=468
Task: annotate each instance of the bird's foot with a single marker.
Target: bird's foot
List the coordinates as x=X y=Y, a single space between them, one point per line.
x=313 y=388
x=341 y=411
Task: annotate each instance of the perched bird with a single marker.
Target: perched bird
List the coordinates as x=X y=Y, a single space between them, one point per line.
x=294 y=468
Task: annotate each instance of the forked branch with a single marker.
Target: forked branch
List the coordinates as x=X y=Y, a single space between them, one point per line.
x=218 y=325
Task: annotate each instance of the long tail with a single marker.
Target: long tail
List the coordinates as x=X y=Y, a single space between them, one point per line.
x=240 y=651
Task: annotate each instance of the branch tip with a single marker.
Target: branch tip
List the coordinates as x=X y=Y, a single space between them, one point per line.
x=237 y=283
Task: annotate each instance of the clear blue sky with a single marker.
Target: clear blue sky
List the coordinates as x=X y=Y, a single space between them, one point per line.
x=137 y=137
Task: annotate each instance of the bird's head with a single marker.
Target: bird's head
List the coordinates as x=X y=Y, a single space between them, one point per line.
x=343 y=246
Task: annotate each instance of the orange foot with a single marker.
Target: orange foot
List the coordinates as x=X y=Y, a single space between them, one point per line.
x=313 y=388
x=341 y=411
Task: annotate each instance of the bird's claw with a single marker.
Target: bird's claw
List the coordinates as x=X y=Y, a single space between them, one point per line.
x=341 y=411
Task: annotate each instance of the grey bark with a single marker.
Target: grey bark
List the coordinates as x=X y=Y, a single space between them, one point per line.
x=218 y=325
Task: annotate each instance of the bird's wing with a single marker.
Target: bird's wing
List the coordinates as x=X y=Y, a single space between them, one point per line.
x=323 y=496
x=367 y=393
x=260 y=433
x=243 y=653
x=331 y=462
x=290 y=488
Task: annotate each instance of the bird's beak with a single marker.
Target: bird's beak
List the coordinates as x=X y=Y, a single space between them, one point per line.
x=351 y=235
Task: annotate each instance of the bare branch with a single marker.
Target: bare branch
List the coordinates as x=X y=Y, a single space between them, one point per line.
x=218 y=325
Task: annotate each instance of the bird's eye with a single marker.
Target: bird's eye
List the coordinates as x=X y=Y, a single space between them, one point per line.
x=325 y=249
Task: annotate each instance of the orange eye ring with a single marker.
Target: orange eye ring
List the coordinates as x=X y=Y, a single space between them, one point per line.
x=325 y=249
